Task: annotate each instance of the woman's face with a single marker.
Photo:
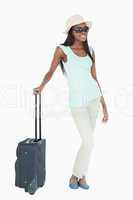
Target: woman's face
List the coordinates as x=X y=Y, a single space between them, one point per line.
x=80 y=36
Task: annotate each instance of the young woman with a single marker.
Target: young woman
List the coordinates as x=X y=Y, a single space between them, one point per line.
x=77 y=61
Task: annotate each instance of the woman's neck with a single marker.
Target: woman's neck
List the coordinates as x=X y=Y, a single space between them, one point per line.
x=77 y=45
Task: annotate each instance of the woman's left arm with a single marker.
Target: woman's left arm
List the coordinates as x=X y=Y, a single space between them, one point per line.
x=94 y=75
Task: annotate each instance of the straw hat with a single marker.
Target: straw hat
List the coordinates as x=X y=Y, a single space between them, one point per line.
x=74 y=20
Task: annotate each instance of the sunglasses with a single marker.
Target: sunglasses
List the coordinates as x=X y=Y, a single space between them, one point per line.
x=79 y=29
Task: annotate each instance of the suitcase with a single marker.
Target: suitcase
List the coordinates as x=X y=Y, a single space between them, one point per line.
x=30 y=168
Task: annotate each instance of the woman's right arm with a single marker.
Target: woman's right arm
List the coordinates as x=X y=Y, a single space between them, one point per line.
x=58 y=54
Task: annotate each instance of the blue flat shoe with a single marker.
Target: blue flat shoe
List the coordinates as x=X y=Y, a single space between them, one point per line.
x=84 y=186
x=74 y=185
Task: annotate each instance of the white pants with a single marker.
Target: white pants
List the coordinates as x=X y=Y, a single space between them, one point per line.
x=85 y=121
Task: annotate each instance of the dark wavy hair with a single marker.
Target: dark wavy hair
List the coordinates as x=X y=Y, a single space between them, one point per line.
x=68 y=42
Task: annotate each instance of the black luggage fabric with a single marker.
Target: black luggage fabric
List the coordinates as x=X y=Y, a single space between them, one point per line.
x=30 y=166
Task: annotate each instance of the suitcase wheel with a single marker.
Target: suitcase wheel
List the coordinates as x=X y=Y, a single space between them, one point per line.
x=32 y=187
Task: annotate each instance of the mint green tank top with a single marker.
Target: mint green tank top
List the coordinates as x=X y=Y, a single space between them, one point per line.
x=82 y=86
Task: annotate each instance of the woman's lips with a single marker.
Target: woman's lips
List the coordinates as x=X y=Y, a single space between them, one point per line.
x=83 y=36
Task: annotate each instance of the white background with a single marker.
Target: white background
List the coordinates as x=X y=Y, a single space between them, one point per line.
x=29 y=34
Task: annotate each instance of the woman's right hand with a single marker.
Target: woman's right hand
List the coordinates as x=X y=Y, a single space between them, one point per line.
x=38 y=89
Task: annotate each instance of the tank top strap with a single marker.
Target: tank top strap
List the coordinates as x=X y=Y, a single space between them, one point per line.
x=91 y=49
x=64 y=48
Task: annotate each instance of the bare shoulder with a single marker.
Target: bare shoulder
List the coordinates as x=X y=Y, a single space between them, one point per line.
x=59 y=52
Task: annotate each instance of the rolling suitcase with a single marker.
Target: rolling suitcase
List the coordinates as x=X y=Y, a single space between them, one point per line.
x=30 y=168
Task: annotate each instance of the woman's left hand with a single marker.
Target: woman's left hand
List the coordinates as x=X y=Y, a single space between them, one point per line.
x=105 y=114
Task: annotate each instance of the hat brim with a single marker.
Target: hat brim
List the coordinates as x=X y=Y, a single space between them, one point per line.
x=89 y=24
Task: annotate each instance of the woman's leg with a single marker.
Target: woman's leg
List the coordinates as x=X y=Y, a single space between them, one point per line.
x=93 y=110
x=83 y=124
x=84 y=118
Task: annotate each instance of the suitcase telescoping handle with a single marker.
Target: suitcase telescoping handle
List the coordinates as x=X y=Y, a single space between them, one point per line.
x=36 y=116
